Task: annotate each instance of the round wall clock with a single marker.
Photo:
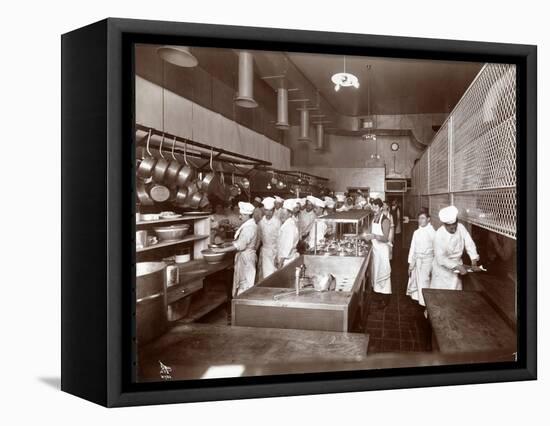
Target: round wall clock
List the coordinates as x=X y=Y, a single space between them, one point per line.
x=395 y=146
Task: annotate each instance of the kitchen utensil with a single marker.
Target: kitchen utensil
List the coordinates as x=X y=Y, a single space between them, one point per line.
x=159 y=193
x=322 y=282
x=161 y=166
x=186 y=173
x=212 y=256
x=234 y=190
x=145 y=168
x=143 y=195
x=181 y=196
x=173 y=168
x=141 y=239
x=210 y=183
x=149 y=216
x=171 y=233
x=194 y=199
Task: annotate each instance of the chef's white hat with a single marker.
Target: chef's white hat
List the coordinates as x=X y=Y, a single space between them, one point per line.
x=245 y=208
x=278 y=199
x=289 y=204
x=448 y=214
x=269 y=203
x=330 y=204
x=258 y=199
x=315 y=201
x=340 y=197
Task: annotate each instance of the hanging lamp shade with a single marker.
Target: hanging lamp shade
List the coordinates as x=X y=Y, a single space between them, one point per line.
x=180 y=56
x=245 y=95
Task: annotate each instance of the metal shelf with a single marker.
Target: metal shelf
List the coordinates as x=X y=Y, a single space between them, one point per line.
x=172 y=243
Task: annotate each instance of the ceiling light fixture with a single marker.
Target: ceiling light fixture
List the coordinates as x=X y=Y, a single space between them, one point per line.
x=180 y=56
x=344 y=79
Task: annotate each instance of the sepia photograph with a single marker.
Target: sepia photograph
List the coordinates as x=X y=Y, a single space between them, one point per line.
x=303 y=212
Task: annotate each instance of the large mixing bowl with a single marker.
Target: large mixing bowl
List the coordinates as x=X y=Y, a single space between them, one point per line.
x=211 y=256
x=171 y=233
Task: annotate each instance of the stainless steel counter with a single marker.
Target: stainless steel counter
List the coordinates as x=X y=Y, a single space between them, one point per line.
x=273 y=302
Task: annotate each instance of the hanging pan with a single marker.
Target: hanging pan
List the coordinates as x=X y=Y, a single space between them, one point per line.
x=145 y=168
x=161 y=166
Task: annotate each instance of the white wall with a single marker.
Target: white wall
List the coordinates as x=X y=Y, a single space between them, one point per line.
x=185 y=118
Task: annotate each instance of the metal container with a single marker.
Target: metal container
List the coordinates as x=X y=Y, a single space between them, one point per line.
x=171 y=233
x=211 y=256
x=151 y=321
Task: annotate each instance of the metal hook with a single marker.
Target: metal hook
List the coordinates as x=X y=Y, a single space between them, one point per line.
x=185 y=153
x=173 y=146
x=160 y=147
x=148 y=140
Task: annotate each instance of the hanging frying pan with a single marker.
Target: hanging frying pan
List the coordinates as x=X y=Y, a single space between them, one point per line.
x=173 y=168
x=186 y=173
x=142 y=194
x=162 y=165
x=145 y=168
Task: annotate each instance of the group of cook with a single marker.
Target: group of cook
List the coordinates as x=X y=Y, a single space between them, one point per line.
x=278 y=228
x=435 y=257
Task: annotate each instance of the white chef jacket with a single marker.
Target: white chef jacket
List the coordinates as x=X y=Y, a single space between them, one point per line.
x=448 y=249
x=421 y=254
x=288 y=240
x=305 y=221
x=322 y=228
x=245 y=259
x=269 y=236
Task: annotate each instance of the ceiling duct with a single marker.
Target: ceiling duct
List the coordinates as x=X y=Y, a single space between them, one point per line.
x=282 y=109
x=180 y=56
x=304 y=124
x=319 y=137
x=245 y=95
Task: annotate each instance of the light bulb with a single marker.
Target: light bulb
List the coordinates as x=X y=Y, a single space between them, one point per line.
x=337 y=87
x=268 y=186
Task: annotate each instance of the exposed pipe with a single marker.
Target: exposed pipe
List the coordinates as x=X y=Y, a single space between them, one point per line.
x=320 y=137
x=245 y=95
x=304 y=125
x=282 y=109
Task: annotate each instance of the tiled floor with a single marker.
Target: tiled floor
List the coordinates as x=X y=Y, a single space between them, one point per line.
x=400 y=326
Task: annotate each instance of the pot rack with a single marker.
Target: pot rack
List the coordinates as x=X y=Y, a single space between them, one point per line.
x=239 y=162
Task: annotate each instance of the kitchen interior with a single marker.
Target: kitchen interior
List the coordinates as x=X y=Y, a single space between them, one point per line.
x=216 y=126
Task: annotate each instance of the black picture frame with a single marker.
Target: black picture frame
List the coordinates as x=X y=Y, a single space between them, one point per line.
x=98 y=211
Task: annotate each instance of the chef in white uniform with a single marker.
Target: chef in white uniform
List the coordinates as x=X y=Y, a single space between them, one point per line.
x=245 y=245
x=421 y=256
x=278 y=207
x=319 y=228
x=269 y=228
x=381 y=269
x=307 y=217
x=288 y=235
x=451 y=239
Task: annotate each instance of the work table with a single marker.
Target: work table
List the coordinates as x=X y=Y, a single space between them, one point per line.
x=197 y=351
x=273 y=301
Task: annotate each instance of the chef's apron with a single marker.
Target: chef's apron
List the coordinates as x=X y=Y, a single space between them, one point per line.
x=267 y=261
x=245 y=267
x=420 y=277
x=444 y=278
x=381 y=269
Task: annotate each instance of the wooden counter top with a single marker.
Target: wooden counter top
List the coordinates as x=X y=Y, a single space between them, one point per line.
x=197 y=350
x=463 y=321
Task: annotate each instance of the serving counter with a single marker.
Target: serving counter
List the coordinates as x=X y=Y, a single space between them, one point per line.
x=274 y=303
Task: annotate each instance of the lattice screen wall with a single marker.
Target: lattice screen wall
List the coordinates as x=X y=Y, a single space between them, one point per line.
x=472 y=158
